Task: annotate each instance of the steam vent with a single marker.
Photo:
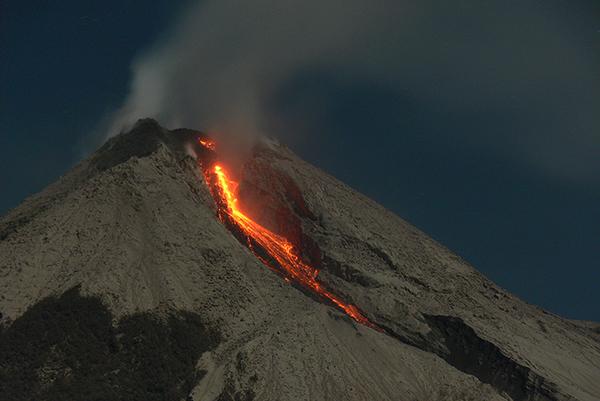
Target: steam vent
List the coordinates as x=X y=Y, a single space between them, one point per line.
x=154 y=270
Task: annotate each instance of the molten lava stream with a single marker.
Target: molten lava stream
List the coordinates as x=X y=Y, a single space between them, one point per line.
x=276 y=246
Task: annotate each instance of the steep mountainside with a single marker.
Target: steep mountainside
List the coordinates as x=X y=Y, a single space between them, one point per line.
x=121 y=282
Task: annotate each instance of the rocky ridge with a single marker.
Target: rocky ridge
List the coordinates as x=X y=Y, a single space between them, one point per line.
x=133 y=232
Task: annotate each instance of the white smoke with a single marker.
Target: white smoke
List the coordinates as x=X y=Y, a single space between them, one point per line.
x=224 y=59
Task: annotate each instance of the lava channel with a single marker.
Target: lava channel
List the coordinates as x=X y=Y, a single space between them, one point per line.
x=276 y=247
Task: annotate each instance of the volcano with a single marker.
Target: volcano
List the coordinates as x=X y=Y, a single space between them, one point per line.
x=155 y=271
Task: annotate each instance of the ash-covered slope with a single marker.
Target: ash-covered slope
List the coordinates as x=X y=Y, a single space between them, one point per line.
x=119 y=282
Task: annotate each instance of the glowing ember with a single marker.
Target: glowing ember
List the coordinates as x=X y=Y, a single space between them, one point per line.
x=276 y=246
x=207 y=143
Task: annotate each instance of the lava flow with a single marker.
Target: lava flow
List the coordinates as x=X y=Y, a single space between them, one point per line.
x=277 y=247
x=207 y=144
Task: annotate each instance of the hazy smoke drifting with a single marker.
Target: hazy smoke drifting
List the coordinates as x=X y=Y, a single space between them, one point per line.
x=224 y=60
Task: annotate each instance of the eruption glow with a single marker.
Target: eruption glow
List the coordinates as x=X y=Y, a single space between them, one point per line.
x=207 y=143
x=277 y=247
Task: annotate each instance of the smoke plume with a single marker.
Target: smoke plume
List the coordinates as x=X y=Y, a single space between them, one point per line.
x=224 y=61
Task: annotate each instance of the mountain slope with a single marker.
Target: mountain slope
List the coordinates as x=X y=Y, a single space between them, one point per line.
x=133 y=230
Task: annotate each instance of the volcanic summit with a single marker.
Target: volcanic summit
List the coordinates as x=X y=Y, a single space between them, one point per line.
x=155 y=271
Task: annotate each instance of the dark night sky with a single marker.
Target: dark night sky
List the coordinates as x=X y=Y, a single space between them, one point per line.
x=510 y=182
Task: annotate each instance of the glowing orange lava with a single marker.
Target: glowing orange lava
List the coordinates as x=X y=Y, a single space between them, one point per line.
x=207 y=143
x=277 y=247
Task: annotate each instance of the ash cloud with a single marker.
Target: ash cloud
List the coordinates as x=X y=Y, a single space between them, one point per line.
x=224 y=61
